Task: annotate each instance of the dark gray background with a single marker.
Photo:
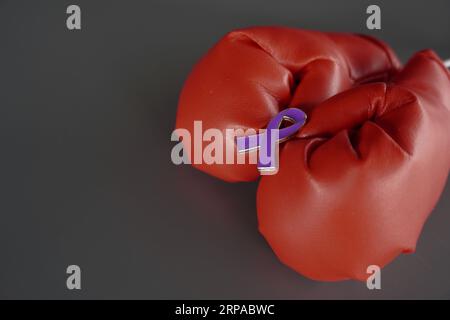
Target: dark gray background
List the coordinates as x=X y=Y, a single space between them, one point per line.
x=85 y=170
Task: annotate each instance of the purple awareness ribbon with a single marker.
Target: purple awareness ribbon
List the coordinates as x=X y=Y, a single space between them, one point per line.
x=267 y=142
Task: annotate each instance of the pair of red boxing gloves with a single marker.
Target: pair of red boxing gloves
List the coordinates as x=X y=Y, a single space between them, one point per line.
x=356 y=184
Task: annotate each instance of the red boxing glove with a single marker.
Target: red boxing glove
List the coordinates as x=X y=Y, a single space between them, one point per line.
x=357 y=186
x=357 y=183
x=252 y=74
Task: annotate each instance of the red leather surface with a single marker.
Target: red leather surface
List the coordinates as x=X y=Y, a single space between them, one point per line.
x=367 y=169
x=357 y=183
x=252 y=74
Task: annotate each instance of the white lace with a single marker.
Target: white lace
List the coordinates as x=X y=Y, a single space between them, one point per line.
x=447 y=63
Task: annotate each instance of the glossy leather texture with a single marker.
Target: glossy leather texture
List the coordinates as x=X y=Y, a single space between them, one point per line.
x=357 y=183
x=252 y=74
x=356 y=186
